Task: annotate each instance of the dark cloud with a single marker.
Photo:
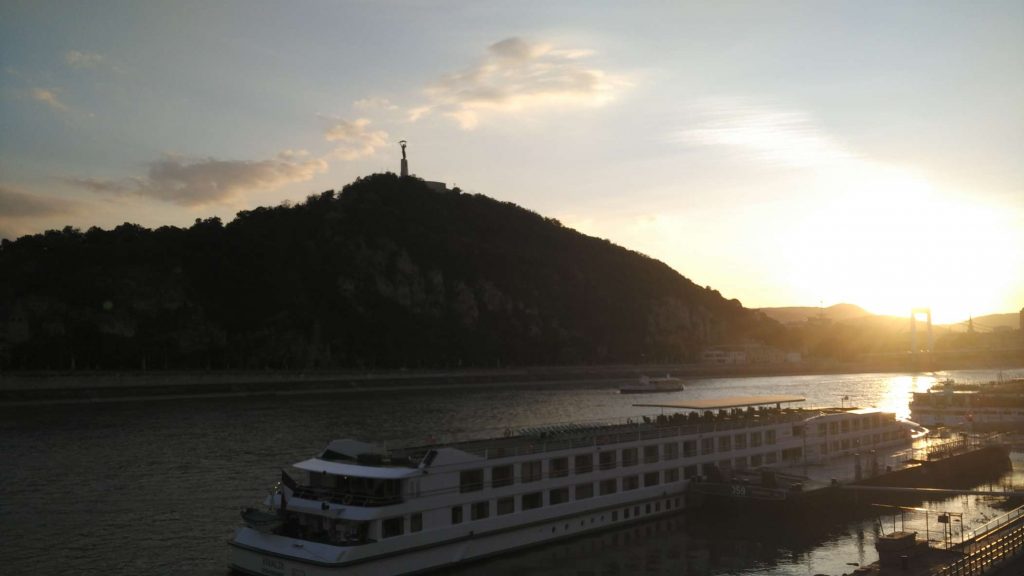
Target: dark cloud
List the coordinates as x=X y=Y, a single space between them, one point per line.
x=196 y=182
x=15 y=204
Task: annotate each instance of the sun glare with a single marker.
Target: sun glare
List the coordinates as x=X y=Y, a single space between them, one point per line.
x=888 y=241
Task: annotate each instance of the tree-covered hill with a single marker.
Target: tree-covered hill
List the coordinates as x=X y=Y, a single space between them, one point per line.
x=387 y=273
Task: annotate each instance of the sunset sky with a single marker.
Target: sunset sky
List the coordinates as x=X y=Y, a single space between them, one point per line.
x=784 y=153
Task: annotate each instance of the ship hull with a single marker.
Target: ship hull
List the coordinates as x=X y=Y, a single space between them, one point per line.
x=264 y=555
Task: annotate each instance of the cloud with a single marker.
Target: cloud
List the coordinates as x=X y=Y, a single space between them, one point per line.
x=778 y=137
x=18 y=204
x=374 y=104
x=517 y=76
x=49 y=98
x=77 y=59
x=354 y=140
x=19 y=210
x=197 y=182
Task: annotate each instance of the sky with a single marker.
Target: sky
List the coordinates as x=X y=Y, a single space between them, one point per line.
x=783 y=153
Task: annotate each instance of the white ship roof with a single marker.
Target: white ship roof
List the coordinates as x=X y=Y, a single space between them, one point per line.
x=346 y=469
x=726 y=402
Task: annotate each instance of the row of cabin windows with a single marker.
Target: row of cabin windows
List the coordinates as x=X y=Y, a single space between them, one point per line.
x=845 y=425
x=392 y=527
x=866 y=440
x=561 y=495
x=532 y=471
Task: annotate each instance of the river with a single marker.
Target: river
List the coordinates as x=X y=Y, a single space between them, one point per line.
x=155 y=487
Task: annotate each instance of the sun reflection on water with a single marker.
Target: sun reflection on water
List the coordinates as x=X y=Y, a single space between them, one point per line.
x=897 y=392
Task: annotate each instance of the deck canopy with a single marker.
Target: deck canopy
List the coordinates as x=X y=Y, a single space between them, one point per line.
x=345 y=469
x=726 y=402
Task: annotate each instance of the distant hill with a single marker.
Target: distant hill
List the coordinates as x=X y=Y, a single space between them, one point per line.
x=992 y=321
x=795 y=314
x=386 y=273
x=855 y=315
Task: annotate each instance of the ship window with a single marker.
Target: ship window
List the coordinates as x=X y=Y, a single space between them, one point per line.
x=647 y=508
x=615 y=515
x=650 y=454
x=740 y=441
x=769 y=436
x=506 y=505
x=671 y=475
x=532 y=500
x=416 y=522
x=558 y=496
x=502 y=476
x=856 y=424
x=740 y=463
x=689 y=448
x=724 y=443
x=558 y=467
x=651 y=479
x=690 y=471
x=479 y=510
x=833 y=427
x=629 y=457
x=707 y=446
x=471 y=480
x=844 y=425
x=456 y=514
x=756 y=460
x=391 y=527
x=822 y=428
x=609 y=486
x=625 y=513
x=584 y=491
x=755 y=439
x=630 y=483
x=531 y=471
x=671 y=451
x=770 y=458
x=607 y=460
x=584 y=463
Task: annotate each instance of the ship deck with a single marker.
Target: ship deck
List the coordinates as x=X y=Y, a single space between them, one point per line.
x=574 y=435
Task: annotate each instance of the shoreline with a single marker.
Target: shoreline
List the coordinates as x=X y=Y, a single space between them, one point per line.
x=87 y=387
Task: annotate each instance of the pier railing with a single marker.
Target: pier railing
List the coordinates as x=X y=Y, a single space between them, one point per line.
x=995 y=524
x=986 y=556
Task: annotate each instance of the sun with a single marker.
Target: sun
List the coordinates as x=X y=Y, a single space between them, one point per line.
x=890 y=242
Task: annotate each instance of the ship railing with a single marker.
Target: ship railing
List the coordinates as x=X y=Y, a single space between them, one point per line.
x=346 y=498
x=556 y=437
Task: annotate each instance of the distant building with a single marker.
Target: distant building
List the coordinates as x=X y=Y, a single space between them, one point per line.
x=746 y=354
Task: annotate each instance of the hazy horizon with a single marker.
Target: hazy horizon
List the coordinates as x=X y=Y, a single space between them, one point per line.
x=785 y=154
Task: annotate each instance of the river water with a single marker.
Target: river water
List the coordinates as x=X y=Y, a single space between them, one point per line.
x=155 y=487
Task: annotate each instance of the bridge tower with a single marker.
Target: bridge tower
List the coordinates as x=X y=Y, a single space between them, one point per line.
x=913 y=329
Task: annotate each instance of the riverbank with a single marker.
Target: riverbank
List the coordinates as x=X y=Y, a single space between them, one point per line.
x=27 y=388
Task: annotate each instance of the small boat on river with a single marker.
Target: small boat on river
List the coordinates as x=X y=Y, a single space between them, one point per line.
x=646 y=385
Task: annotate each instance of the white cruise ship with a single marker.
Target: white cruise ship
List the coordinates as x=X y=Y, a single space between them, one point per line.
x=356 y=509
x=990 y=406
